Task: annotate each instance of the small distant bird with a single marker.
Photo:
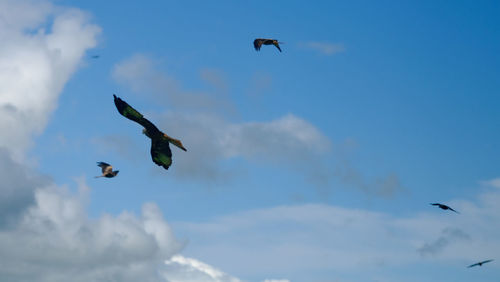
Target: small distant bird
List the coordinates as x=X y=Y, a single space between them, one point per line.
x=444 y=207
x=480 y=263
x=107 y=170
x=160 y=149
x=96 y=57
x=257 y=43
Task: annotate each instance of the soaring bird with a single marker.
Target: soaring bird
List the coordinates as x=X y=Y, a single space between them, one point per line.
x=444 y=207
x=160 y=149
x=107 y=170
x=257 y=43
x=480 y=263
x=95 y=56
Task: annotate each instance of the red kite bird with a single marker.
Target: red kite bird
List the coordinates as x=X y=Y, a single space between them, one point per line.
x=160 y=149
x=107 y=170
x=257 y=43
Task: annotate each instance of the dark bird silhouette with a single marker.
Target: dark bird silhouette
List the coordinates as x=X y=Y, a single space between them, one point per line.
x=257 y=43
x=107 y=170
x=160 y=149
x=95 y=56
x=444 y=207
x=480 y=263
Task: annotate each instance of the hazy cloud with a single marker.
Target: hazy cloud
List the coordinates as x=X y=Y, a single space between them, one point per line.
x=143 y=75
x=324 y=48
x=385 y=186
x=314 y=238
x=289 y=140
x=449 y=235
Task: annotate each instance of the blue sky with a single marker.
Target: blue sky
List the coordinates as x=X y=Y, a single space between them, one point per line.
x=314 y=164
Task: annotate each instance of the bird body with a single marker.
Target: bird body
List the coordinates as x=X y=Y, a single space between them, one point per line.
x=480 y=263
x=160 y=149
x=107 y=170
x=444 y=207
x=257 y=43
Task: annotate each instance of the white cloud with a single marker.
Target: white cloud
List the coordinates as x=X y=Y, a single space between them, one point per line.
x=317 y=241
x=182 y=269
x=45 y=232
x=276 y=280
x=56 y=241
x=35 y=64
x=325 y=48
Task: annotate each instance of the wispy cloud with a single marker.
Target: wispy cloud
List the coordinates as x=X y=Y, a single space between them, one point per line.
x=210 y=134
x=324 y=48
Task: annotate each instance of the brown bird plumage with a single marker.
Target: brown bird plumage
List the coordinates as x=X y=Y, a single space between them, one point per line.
x=107 y=170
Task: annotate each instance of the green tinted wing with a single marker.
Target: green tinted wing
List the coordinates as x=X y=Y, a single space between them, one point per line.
x=127 y=111
x=160 y=152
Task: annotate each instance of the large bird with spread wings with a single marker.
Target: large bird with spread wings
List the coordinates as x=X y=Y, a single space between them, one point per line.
x=480 y=263
x=257 y=43
x=160 y=149
x=443 y=207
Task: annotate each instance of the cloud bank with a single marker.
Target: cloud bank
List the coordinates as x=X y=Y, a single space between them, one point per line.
x=313 y=241
x=45 y=232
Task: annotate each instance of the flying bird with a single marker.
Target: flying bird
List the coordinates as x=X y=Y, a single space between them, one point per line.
x=480 y=263
x=95 y=56
x=444 y=207
x=107 y=170
x=257 y=43
x=160 y=149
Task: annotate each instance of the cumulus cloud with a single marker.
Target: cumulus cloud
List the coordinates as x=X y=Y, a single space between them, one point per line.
x=56 y=241
x=35 y=63
x=182 y=269
x=17 y=187
x=45 y=233
x=324 y=48
x=312 y=242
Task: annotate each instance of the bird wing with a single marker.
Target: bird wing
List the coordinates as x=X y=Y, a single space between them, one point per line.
x=277 y=45
x=486 y=261
x=160 y=151
x=435 y=204
x=452 y=210
x=472 y=265
x=257 y=43
x=105 y=167
x=127 y=111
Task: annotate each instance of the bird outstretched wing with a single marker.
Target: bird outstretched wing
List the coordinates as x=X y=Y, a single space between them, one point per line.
x=277 y=45
x=257 y=43
x=132 y=114
x=105 y=167
x=160 y=151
